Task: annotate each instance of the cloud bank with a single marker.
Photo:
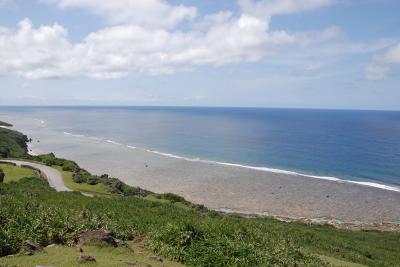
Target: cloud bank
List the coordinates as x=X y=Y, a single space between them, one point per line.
x=146 y=37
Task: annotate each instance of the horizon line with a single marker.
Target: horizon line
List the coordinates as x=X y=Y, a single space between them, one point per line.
x=188 y=106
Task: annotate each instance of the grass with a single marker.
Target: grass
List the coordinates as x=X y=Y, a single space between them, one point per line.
x=98 y=189
x=339 y=263
x=31 y=210
x=105 y=256
x=156 y=198
x=15 y=173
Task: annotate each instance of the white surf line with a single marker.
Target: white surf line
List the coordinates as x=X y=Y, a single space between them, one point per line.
x=263 y=169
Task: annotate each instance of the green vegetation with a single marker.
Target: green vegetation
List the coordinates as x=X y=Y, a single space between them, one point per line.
x=182 y=234
x=340 y=263
x=85 y=181
x=12 y=143
x=107 y=257
x=15 y=173
x=97 y=189
x=52 y=160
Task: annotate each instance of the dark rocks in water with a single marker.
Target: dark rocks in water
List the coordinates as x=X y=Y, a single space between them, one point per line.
x=29 y=248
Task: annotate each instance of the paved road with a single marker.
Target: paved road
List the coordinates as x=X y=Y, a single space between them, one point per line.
x=53 y=176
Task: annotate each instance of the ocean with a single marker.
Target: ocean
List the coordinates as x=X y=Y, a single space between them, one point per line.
x=350 y=145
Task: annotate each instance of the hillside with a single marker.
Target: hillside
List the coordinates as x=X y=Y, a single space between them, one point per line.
x=171 y=227
x=12 y=143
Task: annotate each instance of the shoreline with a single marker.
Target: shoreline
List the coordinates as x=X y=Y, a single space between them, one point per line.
x=237 y=189
x=382 y=226
x=369 y=183
x=243 y=191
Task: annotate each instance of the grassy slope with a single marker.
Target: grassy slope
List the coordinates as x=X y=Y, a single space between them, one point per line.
x=98 y=189
x=14 y=173
x=105 y=257
x=194 y=238
x=13 y=142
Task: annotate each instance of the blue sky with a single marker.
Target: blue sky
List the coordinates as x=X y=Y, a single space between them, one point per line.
x=258 y=53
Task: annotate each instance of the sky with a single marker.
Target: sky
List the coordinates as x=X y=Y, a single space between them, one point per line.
x=335 y=54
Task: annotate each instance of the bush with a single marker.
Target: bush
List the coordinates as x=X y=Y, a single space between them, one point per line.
x=79 y=179
x=93 y=180
x=70 y=166
x=2 y=175
x=4 y=152
x=172 y=197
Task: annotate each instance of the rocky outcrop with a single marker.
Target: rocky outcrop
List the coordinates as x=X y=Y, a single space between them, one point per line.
x=100 y=237
x=29 y=248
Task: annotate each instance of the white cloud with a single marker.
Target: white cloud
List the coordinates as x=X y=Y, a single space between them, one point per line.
x=147 y=13
x=34 y=53
x=268 y=8
x=114 y=52
x=382 y=64
x=143 y=46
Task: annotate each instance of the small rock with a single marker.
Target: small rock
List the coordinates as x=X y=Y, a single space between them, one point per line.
x=99 y=236
x=157 y=258
x=121 y=244
x=85 y=258
x=28 y=248
x=53 y=246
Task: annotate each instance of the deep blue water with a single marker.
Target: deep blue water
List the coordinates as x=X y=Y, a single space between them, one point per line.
x=347 y=144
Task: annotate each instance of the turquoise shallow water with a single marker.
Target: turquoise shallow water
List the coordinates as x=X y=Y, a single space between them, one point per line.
x=358 y=145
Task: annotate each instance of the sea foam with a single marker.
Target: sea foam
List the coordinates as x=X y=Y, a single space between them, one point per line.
x=257 y=168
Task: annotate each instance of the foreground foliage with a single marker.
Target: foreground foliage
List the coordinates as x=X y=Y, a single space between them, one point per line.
x=105 y=257
x=30 y=209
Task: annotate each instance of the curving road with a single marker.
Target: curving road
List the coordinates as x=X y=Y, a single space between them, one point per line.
x=53 y=176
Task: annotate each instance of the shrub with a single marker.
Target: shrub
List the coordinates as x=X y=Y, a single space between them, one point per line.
x=70 y=166
x=2 y=175
x=79 y=179
x=172 y=197
x=4 y=152
x=92 y=180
